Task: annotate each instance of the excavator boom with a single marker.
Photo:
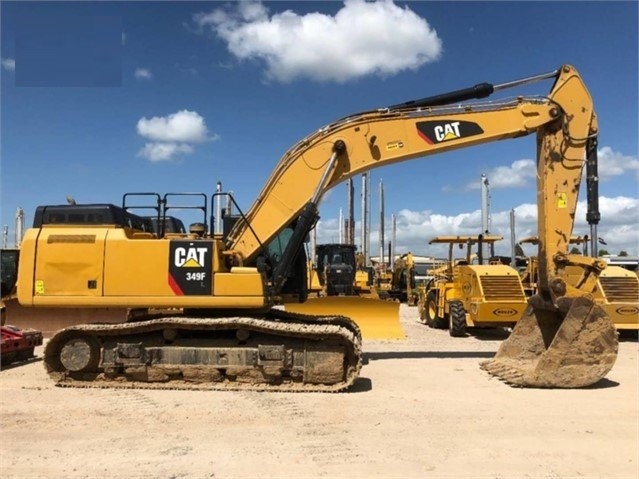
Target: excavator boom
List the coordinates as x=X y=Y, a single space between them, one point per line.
x=566 y=127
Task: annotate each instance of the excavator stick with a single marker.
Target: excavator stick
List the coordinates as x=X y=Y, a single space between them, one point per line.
x=376 y=319
x=571 y=346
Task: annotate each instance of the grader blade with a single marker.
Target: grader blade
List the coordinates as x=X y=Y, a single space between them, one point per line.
x=572 y=346
x=377 y=319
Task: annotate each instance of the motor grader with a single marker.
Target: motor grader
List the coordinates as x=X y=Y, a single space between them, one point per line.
x=465 y=294
x=211 y=298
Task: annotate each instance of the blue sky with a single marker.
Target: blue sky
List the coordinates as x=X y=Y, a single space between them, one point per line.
x=99 y=99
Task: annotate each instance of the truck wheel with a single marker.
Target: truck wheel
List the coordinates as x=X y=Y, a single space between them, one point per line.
x=430 y=310
x=457 y=319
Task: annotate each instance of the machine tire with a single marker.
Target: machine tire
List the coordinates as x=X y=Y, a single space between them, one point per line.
x=457 y=319
x=430 y=311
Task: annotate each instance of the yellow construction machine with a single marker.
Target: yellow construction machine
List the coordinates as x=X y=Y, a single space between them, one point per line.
x=397 y=284
x=337 y=278
x=616 y=290
x=338 y=270
x=467 y=293
x=335 y=267
x=364 y=278
x=210 y=296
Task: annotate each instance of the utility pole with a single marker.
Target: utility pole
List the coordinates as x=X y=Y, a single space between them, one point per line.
x=381 y=222
x=485 y=214
x=513 y=255
x=19 y=226
x=365 y=218
x=350 y=222
x=393 y=237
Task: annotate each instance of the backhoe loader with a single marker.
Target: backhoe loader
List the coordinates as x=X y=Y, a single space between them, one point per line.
x=210 y=297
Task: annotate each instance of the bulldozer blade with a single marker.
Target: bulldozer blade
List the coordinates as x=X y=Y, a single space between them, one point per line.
x=572 y=346
x=376 y=319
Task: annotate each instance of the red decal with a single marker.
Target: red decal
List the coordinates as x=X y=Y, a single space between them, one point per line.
x=175 y=287
x=424 y=137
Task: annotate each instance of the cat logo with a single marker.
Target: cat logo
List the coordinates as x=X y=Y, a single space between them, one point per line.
x=449 y=131
x=191 y=257
x=433 y=132
x=190 y=267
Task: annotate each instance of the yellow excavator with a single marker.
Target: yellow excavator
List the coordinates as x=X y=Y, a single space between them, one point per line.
x=206 y=300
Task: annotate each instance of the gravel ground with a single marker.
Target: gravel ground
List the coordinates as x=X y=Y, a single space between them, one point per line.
x=421 y=408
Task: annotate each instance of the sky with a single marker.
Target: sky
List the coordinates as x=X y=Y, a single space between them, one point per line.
x=103 y=98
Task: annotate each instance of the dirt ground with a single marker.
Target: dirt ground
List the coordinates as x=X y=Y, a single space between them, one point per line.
x=421 y=408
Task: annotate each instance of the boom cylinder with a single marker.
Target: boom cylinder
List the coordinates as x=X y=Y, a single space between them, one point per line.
x=481 y=90
x=592 y=193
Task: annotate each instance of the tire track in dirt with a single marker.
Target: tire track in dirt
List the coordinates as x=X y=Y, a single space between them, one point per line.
x=128 y=399
x=315 y=434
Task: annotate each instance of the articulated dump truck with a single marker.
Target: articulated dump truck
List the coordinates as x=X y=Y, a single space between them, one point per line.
x=207 y=303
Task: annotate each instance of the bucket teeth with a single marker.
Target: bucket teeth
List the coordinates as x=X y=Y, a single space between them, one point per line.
x=504 y=372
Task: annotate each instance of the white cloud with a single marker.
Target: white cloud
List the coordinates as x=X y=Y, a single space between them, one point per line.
x=518 y=174
x=143 y=74
x=618 y=226
x=9 y=64
x=156 y=152
x=183 y=126
x=523 y=172
x=172 y=135
x=613 y=163
x=363 y=38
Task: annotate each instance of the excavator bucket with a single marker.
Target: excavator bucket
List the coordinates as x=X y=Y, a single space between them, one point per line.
x=572 y=346
x=376 y=319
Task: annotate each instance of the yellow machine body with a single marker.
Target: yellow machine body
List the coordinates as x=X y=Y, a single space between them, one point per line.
x=463 y=295
x=492 y=295
x=113 y=266
x=616 y=290
x=617 y=293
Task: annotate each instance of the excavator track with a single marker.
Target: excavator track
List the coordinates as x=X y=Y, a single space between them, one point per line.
x=279 y=351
